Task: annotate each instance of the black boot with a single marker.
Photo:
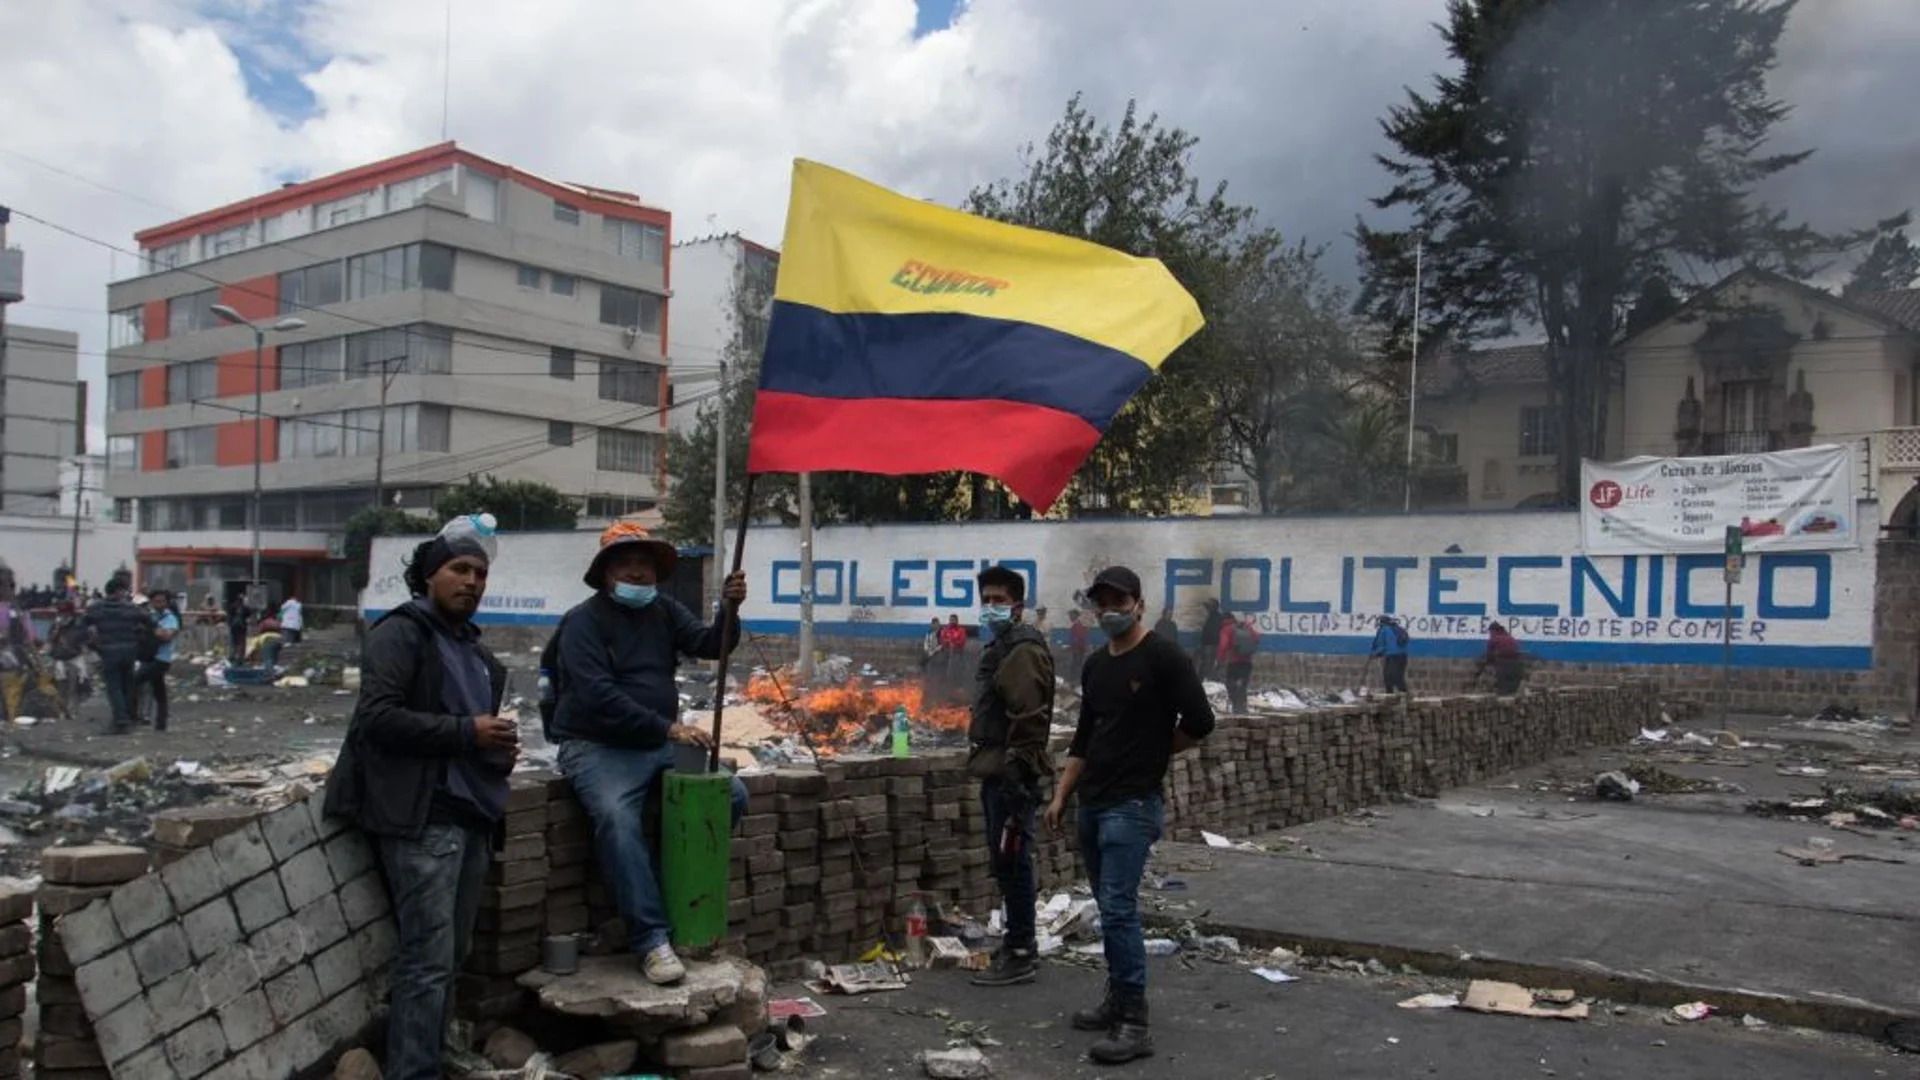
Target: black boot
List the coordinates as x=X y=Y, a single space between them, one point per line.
x=1129 y=1040
x=1101 y=1017
x=1011 y=967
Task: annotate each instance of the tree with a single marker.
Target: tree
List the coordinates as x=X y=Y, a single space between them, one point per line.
x=1130 y=187
x=1583 y=149
x=375 y=521
x=520 y=505
x=1891 y=263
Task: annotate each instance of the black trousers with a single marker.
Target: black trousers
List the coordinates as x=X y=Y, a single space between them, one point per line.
x=1239 y=674
x=1394 y=668
x=153 y=676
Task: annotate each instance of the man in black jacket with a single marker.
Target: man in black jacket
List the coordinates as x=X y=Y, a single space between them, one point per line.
x=424 y=771
x=617 y=721
x=114 y=629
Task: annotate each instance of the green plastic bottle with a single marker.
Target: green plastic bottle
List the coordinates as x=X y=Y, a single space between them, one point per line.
x=902 y=733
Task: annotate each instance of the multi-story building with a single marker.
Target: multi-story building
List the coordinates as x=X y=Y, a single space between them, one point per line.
x=43 y=403
x=426 y=318
x=722 y=300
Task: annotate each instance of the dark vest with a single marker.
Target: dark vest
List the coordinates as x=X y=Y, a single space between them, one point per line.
x=990 y=724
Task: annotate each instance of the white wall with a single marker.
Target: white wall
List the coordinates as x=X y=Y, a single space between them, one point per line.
x=36 y=546
x=1314 y=584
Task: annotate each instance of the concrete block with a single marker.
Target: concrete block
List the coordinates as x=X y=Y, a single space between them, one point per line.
x=64 y=1054
x=65 y=1021
x=363 y=899
x=107 y=982
x=296 y=1044
x=253 y=1063
x=349 y=855
x=278 y=947
x=260 y=902
x=305 y=878
x=242 y=854
x=289 y=831
x=198 y=826
x=292 y=994
x=140 y=905
x=377 y=942
x=180 y=1000
x=89 y=933
x=193 y=880
x=161 y=953
x=246 y=1019
x=92 y=864
x=231 y=972
x=326 y=827
x=601 y=1059
x=16 y=904
x=211 y=927
x=321 y=923
x=337 y=968
x=151 y=1062
x=125 y=1031
x=197 y=1047
x=716 y=1044
x=343 y=1019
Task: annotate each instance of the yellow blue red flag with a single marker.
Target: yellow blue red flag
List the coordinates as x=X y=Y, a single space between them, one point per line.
x=910 y=338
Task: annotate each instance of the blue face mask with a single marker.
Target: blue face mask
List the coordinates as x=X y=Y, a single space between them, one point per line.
x=996 y=616
x=634 y=596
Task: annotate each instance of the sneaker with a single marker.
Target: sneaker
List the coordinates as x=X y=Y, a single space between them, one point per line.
x=1011 y=967
x=1128 y=1041
x=662 y=967
x=1101 y=1017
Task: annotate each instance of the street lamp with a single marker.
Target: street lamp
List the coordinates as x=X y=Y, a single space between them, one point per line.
x=228 y=315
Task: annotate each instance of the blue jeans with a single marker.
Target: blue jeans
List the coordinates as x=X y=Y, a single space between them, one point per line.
x=118 y=673
x=1114 y=841
x=613 y=784
x=436 y=881
x=1015 y=875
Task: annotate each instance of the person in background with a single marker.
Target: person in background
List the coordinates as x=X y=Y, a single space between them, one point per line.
x=1208 y=654
x=17 y=645
x=953 y=657
x=292 y=620
x=617 y=720
x=114 y=629
x=153 y=673
x=1076 y=643
x=1504 y=657
x=237 y=627
x=1390 y=644
x=424 y=773
x=1141 y=703
x=1012 y=718
x=1239 y=642
x=931 y=675
x=1040 y=623
x=1167 y=628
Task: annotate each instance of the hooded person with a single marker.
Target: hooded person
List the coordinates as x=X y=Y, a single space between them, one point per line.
x=424 y=774
x=617 y=717
x=1504 y=657
x=1390 y=644
x=115 y=626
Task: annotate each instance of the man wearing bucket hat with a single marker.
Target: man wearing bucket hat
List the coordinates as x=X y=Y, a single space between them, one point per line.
x=617 y=716
x=424 y=772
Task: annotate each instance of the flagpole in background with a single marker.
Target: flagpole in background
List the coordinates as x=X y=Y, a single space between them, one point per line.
x=804 y=673
x=726 y=629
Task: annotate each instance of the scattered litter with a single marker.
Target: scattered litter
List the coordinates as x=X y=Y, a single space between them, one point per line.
x=1275 y=975
x=1482 y=811
x=965 y=1063
x=1215 y=840
x=60 y=777
x=1648 y=735
x=1616 y=786
x=1432 y=1001
x=26 y=721
x=786 y=1008
x=131 y=771
x=1693 y=1010
x=1751 y=1022
x=946 y=952
x=1160 y=946
x=864 y=978
x=189 y=768
x=1810 y=771
x=1512 y=999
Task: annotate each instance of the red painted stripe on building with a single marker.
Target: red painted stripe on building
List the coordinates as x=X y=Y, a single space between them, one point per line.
x=153 y=320
x=153 y=386
x=153 y=451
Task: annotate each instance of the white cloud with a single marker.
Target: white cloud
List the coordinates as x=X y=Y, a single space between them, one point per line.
x=700 y=107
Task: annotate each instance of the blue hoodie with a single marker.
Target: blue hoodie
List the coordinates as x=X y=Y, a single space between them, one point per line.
x=1387 y=641
x=617 y=666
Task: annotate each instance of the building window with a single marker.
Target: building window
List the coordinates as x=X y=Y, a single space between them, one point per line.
x=624 y=451
x=629 y=308
x=123 y=453
x=560 y=363
x=342 y=211
x=406 y=194
x=1539 y=431
x=413 y=350
x=123 y=392
x=310 y=287
x=226 y=241
x=559 y=433
x=481 y=193
x=561 y=284
x=413 y=266
x=528 y=277
x=166 y=258
x=310 y=363
x=311 y=437
x=1443 y=448
x=126 y=327
x=281 y=511
x=191 y=381
x=189 y=448
x=356 y=432
x=123 y=511
x=1744 y=416
x=566 y=215
x=635 y=240
x=191 y=312
x=629 y=381
x=613 y=506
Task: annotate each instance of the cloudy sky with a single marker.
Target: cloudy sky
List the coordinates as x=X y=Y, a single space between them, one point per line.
x=122 y=114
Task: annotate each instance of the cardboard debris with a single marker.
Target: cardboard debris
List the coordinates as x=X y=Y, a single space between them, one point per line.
x=947 y=952
x=1512 y=999
x=786 y=1008
x=857 y=979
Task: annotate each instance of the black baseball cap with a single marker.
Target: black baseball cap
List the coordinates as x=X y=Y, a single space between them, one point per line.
x=1119 y=579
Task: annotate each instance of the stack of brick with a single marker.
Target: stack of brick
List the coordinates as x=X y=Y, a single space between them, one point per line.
x=16 y=970
x=512 y=917
x=73 y=878
x=947 y=793
x=569 y=858
x=179 y=833
x=762 y=869
x=258 y=955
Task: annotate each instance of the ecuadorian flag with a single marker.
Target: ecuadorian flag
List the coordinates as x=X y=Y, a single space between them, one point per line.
x=909 y=338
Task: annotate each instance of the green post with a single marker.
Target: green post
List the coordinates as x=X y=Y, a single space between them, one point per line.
x=695 y=830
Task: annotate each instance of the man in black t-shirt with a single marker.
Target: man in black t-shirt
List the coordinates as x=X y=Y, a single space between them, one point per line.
x=1141 y=703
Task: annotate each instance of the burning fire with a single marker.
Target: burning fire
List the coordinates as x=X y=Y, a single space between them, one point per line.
x=846 y=717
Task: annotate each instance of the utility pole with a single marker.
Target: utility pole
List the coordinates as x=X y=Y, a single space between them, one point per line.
x=79 y=494
x=805 y=670
x=387 y=372
x=1413 y=371
x=229 y=315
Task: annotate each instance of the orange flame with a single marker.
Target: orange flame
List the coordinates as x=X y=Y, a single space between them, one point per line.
x=839 y=717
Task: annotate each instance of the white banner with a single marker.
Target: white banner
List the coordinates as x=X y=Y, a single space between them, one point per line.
x=1794 y=500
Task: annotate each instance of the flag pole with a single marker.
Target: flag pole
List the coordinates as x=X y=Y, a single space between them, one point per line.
x=726 y=628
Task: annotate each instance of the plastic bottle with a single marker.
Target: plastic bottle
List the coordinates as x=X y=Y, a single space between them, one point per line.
x=902 y=733
x=917 y=934
x=479 y=528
